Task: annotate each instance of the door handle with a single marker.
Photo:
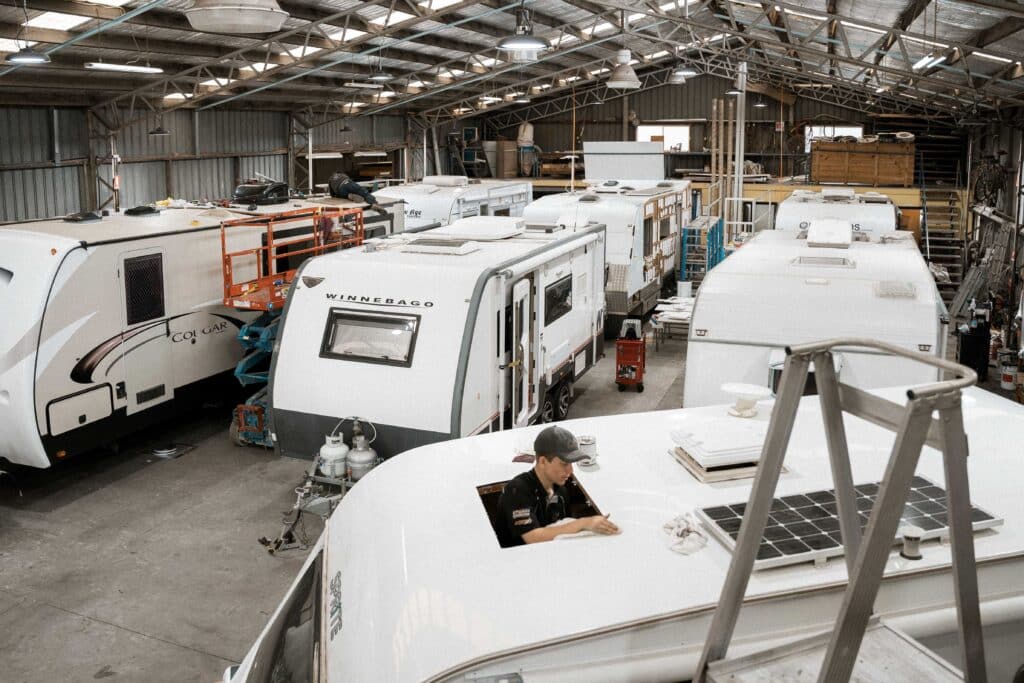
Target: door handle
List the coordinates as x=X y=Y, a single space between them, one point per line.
x=508 y=366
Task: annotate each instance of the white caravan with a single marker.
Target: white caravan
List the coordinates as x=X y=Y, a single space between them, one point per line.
x=783 y=288
x=109 y=326
x=644 y=219
x=475 y=327
x=408 y=581
x=374 y=224
x=441 y=199
x=866 y=212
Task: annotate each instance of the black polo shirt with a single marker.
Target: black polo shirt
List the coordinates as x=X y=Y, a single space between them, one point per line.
x=524 y=505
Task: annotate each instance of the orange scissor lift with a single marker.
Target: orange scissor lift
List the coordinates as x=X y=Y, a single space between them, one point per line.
x=289 y=238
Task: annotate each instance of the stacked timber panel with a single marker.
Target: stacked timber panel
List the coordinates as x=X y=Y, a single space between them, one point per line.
x=863 y=163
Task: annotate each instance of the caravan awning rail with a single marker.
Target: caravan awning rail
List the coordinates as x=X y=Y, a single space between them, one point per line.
x=291 y=237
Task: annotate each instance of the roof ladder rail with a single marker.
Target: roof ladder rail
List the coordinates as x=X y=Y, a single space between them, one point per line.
x=866 y=557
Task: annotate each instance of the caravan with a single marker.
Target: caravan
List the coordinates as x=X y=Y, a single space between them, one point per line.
x=409 y=583
x=441 y=199
x=866 y=212
x=479 y=326
x=786 y=287
x=644 y=219
x=109 y=325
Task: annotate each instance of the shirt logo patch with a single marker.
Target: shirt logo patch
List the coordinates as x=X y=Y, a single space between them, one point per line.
x=521 y=513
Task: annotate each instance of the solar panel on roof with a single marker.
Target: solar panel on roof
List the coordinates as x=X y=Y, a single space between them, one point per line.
x=804 y=527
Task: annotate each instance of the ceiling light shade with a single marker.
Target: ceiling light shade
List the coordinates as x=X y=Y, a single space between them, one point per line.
x=236 y=16
x=380 y=76
x=524 y=56
x=733 y=91
x=159 y=131
x=523 y=38
x=27 y=55
x=623 y=77
x=685 y=72
x=127 y=68
x=522 y=99
x=676 y=79
x=760 y=104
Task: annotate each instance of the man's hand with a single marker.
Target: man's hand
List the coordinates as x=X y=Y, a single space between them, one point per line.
x=599 y=524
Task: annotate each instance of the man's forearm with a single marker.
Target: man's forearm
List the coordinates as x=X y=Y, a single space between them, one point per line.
x=549 y=533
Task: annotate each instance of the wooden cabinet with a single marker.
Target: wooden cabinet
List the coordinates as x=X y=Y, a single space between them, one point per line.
x=866 y=163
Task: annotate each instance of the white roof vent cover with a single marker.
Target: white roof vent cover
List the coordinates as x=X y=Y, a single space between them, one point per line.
x=427 y=245
x=830 y=232
x=481 y=229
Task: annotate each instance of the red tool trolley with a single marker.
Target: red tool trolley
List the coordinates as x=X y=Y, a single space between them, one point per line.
x=630 y=356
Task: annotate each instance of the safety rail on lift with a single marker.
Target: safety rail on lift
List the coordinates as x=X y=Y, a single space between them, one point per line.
x=275 y=261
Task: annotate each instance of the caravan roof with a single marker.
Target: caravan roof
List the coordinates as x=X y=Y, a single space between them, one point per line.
x=120 y=227
x=427 y=592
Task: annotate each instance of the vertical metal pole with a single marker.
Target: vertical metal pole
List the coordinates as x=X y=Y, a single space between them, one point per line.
x=195 y=133
x=729 y=169
x=114 y=179
x=839 y=455
x=859 y=598
x=625 y=118
x=741 y=125
x=958 y=502
x=424 y=171
x=437 y=152
x=54 y=135
x=714 y=155
x=309 y=159
x=794 y=375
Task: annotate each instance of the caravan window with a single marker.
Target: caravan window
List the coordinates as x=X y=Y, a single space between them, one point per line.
x=648 y=237
x=388 y=338
x=144 y=288
x=557 y=299
x=665 y=228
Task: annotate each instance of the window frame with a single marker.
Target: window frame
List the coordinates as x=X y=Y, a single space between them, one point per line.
x=335 y=313
x=547 y=309
x=666 y=145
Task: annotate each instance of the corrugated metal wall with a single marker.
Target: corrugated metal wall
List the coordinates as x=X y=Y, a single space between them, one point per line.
x=40 y=192
x=383 y=130
x=204 y=178
x=274 y=166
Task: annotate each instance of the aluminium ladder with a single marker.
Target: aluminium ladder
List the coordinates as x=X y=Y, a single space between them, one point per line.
x=865 y=557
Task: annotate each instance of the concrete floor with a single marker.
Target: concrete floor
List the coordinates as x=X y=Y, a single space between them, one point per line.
x=127 y=567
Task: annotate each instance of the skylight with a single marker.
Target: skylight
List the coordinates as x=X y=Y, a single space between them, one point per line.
x=391 y=18
x=564 y=39
x=56 y=21
x=303 y=50
x=8 y=45
x=258 y=67
x=178 y=96
x=657 y=55
x=418 y=84
x=486 y=61
x=598 y=72
x=345 y=35
x=599 y=28
x=438 y=4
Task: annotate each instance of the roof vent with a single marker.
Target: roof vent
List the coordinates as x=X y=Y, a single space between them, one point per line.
x=446 y=180
x=830 y=232
x=837 y=194
x=480 y=228
x=894 y=289
x=665 y=184
x=450 y=247
x=589 y=198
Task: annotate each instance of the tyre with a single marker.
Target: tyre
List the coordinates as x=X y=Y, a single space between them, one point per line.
x=563 y=397
x=547 y=409
x=640 y=388
x=233 y=434
x=622 y=387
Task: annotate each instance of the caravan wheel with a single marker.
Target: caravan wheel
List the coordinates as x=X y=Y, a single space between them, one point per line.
x=547 y=409
x=563 y=396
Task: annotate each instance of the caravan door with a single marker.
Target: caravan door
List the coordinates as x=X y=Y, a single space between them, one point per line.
x=522 y=360
x=146 y=334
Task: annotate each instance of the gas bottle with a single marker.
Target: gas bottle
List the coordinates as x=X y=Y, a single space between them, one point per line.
x=334 y=457
x=361 y=458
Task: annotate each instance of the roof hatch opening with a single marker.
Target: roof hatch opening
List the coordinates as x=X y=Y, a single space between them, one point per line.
x=579 y=503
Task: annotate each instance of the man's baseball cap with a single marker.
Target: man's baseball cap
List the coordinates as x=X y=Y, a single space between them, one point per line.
x=559 y=442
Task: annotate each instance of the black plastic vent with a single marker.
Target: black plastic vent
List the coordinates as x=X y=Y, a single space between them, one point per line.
x=144 y=288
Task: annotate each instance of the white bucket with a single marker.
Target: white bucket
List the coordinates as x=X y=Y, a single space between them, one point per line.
x=1008 y=377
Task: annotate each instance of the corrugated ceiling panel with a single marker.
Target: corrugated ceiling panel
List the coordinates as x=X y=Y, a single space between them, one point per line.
x=39 y=193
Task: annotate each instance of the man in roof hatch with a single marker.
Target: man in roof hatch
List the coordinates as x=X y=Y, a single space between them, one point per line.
x=534 y=501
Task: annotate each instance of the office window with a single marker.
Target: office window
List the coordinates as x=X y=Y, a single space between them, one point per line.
x=672 y=134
